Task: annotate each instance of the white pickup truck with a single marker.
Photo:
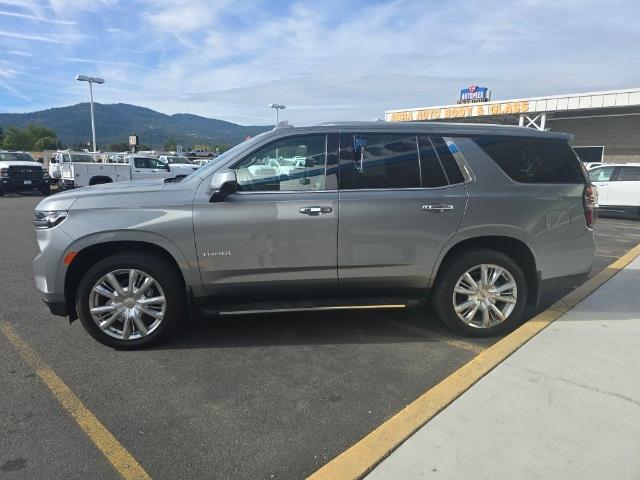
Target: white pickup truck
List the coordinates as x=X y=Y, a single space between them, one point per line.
x=135 y=167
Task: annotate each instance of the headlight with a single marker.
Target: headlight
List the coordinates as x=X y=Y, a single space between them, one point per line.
x=45 y=174
x=4 y=172
x=49 y=219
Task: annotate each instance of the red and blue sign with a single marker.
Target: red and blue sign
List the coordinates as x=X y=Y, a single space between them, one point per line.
x=474 y=94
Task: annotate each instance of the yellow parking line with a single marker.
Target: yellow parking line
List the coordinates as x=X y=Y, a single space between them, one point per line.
x=361 y=458
x=122 y=461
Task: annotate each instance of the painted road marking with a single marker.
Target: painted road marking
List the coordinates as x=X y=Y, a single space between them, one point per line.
x=122 y=461
x=624 y=237
x=460 y=344
x=362 y=457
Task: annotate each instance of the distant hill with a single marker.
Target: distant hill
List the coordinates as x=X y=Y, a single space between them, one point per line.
x=115 y=122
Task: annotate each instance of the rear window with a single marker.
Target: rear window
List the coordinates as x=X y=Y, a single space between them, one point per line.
x=532 y=160
x=629 y=174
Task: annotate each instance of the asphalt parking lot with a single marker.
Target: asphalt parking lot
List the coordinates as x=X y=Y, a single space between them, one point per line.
x=263 y=396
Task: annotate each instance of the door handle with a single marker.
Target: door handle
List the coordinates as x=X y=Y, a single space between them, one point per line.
x=437 y=208
x=315 y=210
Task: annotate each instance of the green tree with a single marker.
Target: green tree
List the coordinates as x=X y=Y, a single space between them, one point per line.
x=171 y=145
x=46 y=143
x=32 y=137
x=16 y=139
x=35 y=132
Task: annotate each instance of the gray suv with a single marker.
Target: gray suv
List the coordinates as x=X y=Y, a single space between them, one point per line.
x=352 y=215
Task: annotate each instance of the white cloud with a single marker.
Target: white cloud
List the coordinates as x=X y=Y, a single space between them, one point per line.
x=22 y=36
x=38 y=18
x=19 y=53
x=103 y=62
x=178 y=17
x=328 y=60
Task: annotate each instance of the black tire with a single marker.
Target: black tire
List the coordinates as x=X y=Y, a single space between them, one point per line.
x=1 y=191
x=452 y=271
x=46 y=190
x=161 y=270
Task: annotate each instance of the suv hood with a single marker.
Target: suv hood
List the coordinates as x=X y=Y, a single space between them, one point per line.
x=19 y=163
x=64 y=200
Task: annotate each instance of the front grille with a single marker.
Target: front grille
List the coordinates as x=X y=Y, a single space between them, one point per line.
x=25 y=173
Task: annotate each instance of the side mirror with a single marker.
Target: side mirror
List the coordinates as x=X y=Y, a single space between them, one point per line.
x=167 y=167
x=223 y=183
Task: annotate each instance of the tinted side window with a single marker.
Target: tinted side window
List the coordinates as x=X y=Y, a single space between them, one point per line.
x=141 y=162
x=372 y=160
x=430 y=167
x=448 y=161
x=628 y=174
x=532 y=160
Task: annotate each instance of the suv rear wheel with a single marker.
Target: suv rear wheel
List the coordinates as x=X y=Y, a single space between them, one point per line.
x=481 y=293
x=130 y=300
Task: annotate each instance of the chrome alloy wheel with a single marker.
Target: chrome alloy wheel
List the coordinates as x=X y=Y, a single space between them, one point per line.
x=127 y=304
x=485 y=296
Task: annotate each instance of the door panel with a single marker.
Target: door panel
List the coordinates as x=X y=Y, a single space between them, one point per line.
x=386 y=238
x=625 y=189
x=257 y=243
x=277 y=236
x=601 y=178
x=391 y=229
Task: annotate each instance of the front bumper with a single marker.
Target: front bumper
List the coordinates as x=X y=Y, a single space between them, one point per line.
x=49 y=269
x=56 y=307
x=20 y=184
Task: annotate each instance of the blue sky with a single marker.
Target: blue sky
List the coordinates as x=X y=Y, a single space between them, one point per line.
x=326 y=60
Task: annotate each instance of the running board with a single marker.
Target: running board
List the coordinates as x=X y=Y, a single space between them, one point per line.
x=306 y=306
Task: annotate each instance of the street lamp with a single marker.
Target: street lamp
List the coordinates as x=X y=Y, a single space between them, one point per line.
x=91 y=80
x=277 y=106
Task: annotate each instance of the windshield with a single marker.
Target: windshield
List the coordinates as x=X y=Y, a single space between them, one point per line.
x=211 y=166
x=22 y=157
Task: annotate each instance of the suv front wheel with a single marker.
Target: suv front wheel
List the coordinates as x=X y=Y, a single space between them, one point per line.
x=130 y=300
x=481 y=293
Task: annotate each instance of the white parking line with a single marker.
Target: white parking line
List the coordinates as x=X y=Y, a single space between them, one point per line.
x=625 y=237
x=607 y=256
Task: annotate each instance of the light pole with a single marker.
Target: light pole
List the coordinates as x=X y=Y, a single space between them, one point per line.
x=91 y=80
x=277 y=106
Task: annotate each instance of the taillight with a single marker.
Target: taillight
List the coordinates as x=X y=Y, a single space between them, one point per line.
x=590 y=200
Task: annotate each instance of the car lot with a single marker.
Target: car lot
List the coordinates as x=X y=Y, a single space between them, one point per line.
x=264 y=396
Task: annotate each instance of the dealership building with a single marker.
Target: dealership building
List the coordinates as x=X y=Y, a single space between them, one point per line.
x=605 y=125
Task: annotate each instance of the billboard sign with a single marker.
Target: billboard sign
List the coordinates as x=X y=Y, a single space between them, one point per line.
x=474 y=94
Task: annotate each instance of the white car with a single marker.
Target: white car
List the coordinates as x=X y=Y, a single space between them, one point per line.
x=178 y=161
x=618 y=187
x=134 y=167
x=198 y=152
x=20 y=172
x=201 y=162
x=590 y=165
